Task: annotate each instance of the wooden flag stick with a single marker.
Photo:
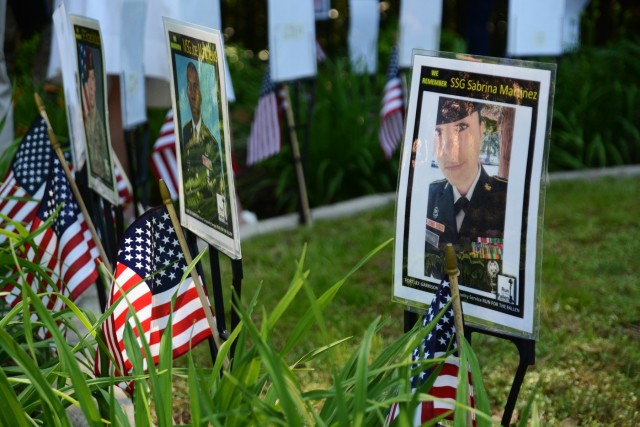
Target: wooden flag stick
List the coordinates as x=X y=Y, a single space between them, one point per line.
x=451 y=269
x=72 y=183
x=302 y=187
x=166 y=199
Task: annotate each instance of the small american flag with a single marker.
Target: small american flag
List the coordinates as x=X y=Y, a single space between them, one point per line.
x=149 y=268
x=392 y=113
x=436 y=345
x=163 y=158
x=23 y=185
x=264 y=140
x=65 y=248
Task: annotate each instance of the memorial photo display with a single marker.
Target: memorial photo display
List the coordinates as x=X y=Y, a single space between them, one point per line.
x=472 y=167
x=207 y=193
x=93 y=99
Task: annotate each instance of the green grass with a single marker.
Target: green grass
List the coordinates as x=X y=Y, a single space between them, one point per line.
x=588 y=354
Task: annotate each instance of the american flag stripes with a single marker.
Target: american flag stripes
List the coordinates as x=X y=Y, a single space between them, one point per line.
x=149 y=268
x=392 y=112
x=125 y=190
x=264 y=140
x=436 y=345
x=64 y=248
x=23 y=186
x=163 y=158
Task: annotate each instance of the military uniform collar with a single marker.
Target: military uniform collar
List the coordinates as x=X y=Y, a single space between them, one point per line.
x=456 y=193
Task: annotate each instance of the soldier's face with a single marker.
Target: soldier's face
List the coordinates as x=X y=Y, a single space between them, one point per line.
x=193 y=92
x=91 y=89
x=457 y=149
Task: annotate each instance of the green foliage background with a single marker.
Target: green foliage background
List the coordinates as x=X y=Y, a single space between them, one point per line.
x=596 y=115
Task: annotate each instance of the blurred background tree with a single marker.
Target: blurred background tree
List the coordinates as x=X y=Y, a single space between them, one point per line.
x=596 y=116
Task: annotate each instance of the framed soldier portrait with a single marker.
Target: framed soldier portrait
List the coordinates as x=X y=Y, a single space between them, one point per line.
x=203 y=139
x=91 y=74
x=472 y=175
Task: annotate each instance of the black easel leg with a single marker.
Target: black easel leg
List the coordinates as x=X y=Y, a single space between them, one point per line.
x=237 y=276
x=527 y=352
x=410 y=319
x=216 y=291
x=119 y=219
x=513 y=394
x=132 y=153
x=90 y=201
x=192 y=243
x=144 y=160
x=236 y=267
x=110 y=231
x=99 y=223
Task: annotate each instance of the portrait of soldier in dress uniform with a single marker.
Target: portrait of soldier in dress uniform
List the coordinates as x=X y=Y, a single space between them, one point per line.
x=204 y=181
x=94 y=122
x=467 y=207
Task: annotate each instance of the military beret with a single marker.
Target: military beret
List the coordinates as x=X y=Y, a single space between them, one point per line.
x=452 y=110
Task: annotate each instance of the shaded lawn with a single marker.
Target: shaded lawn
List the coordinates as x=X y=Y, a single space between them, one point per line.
x=588 y=354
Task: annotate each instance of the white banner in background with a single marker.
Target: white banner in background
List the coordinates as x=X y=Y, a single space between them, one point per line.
x=420 y=25
x=363 y=35
x=535 y=28
x=132 y=85
x=292 y=40
x=65 y=49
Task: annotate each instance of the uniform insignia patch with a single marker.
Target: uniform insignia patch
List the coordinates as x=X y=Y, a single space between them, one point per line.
x=436 y=212
x=433 y=224
x=432 y=238
x=487 y=186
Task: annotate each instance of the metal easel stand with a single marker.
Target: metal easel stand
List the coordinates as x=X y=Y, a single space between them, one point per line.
x=96 y=210
x=214 y=289
x=138 y=152
x=527 y=351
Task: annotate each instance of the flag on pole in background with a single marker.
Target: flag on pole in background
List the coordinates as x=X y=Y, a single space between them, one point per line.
x=163 y=157
x=23 y=185
x=148 y=274
x=64 y=248
x=264 y=140
x=392 y=113
x=436 y=344
x=125 y=190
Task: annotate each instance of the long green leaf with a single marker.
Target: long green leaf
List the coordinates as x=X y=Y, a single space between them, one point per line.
x=296 y=284
x=53 y=411
x=480 y=397
x=78 y=378
x=12 y=412
x=362 y=374
x=277 y=370
x=324 y=300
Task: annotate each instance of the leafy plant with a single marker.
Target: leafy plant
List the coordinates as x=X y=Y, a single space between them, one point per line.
x=262 y=387
x=597 y=108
